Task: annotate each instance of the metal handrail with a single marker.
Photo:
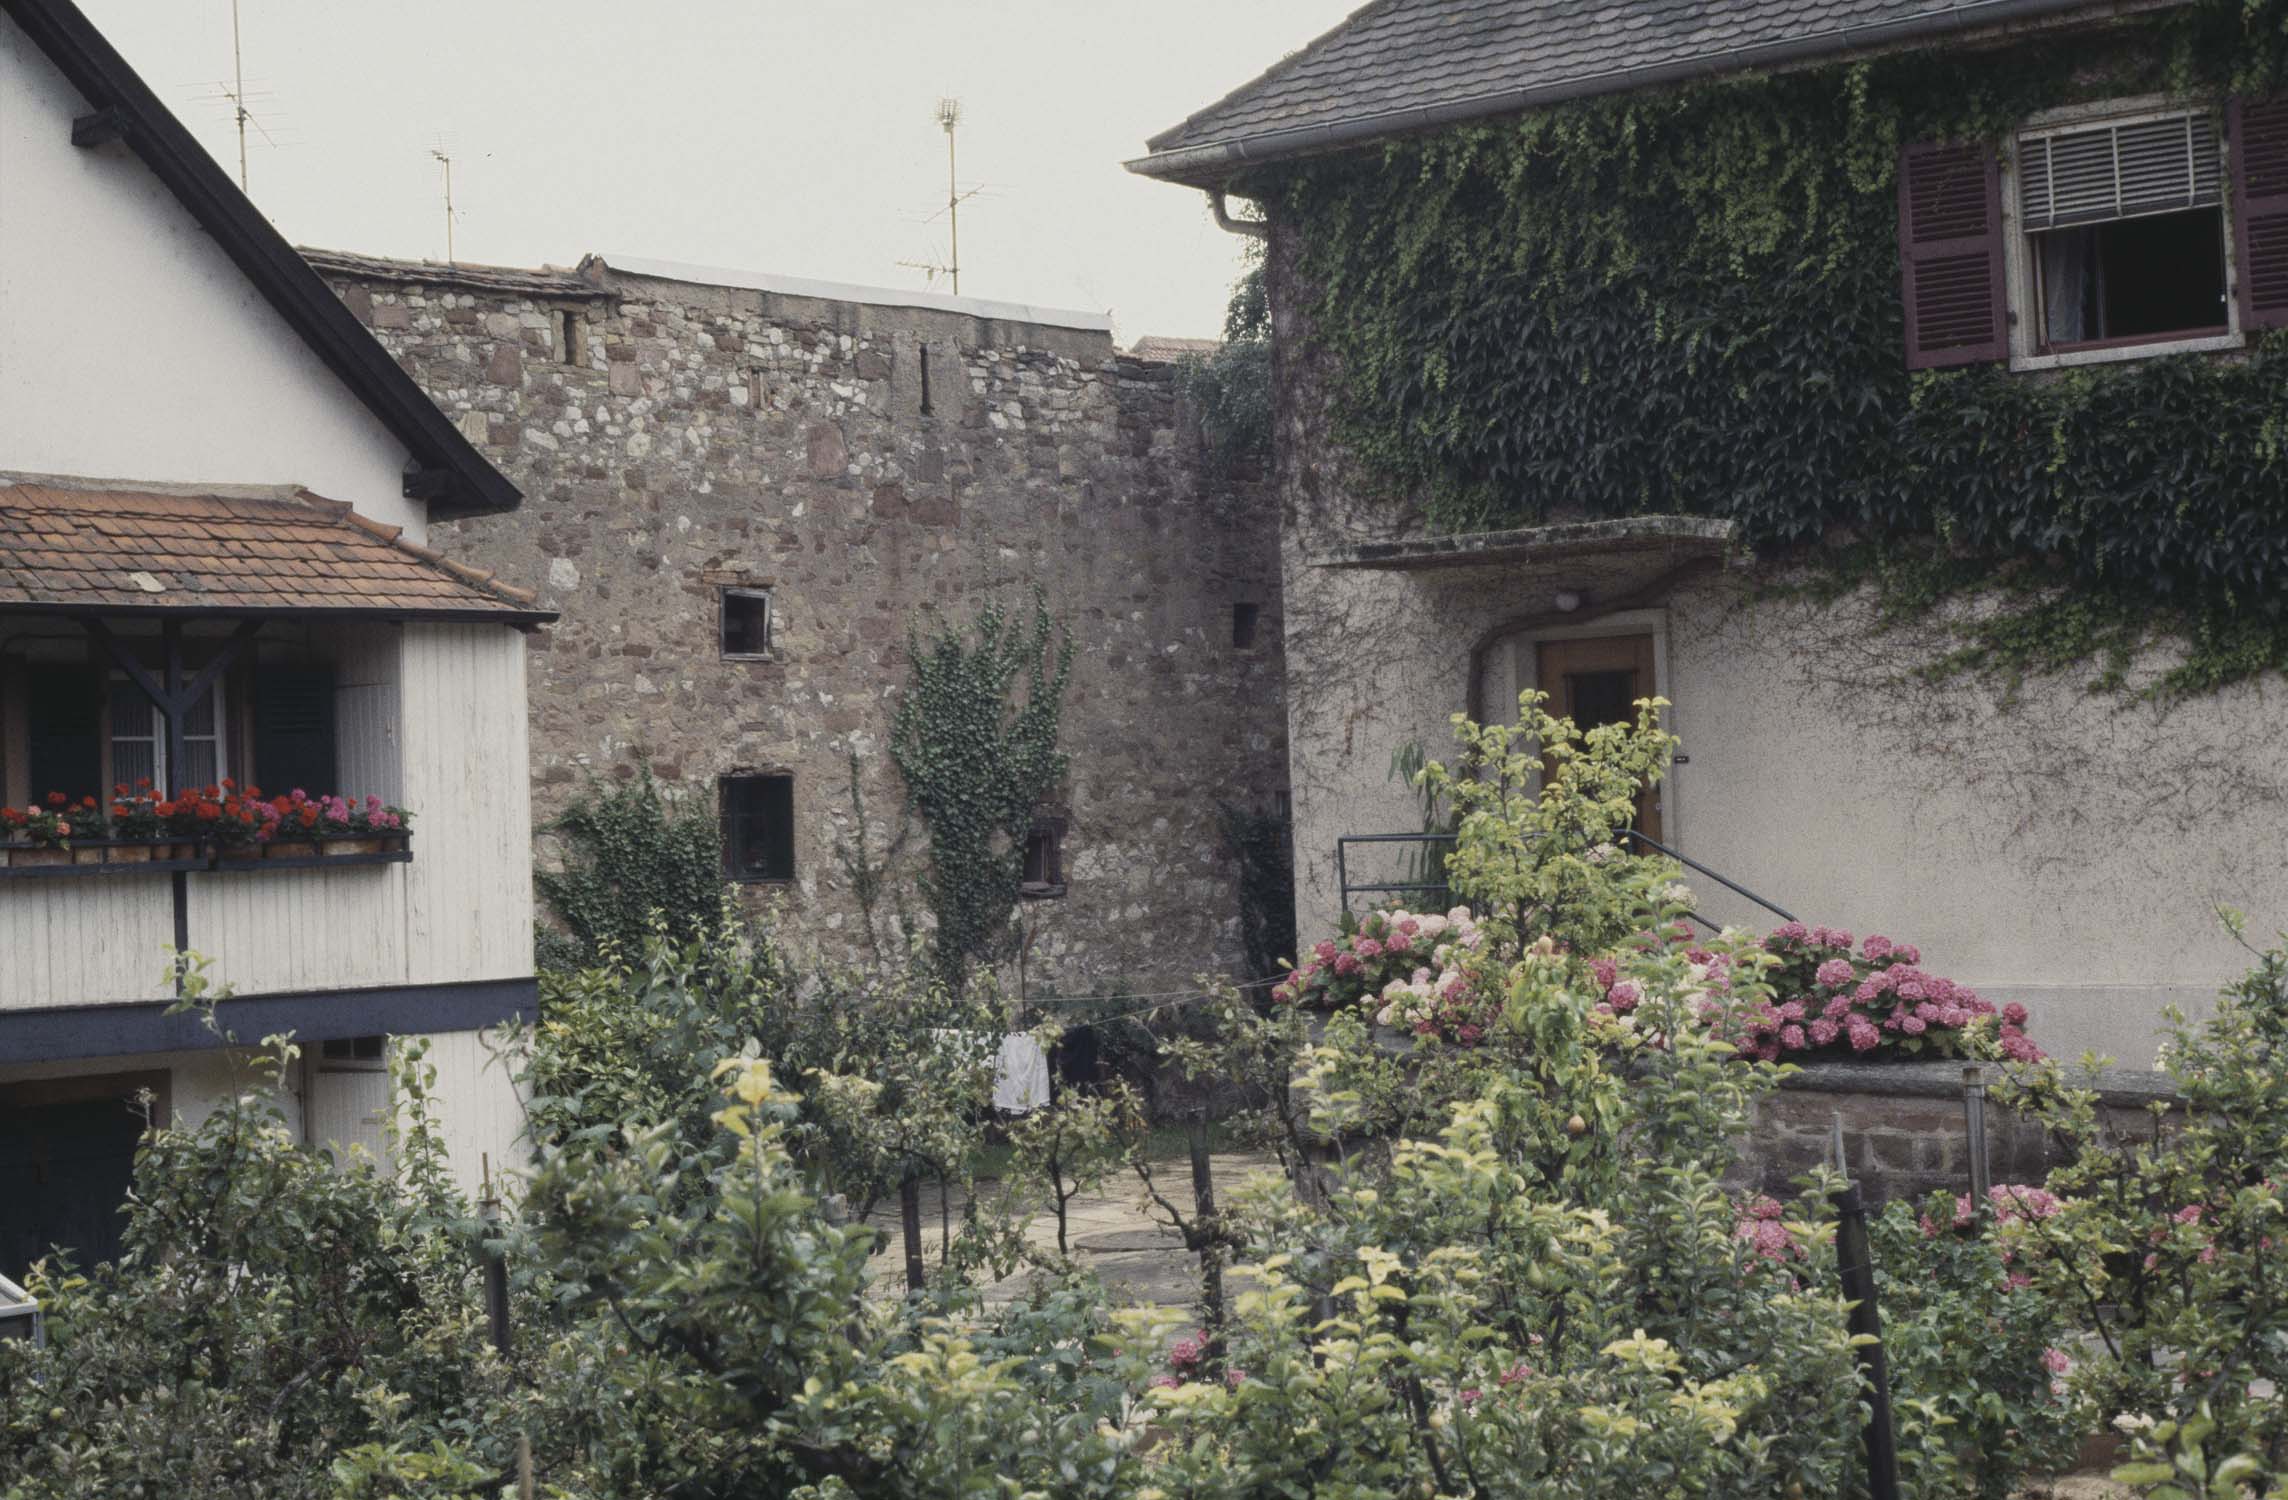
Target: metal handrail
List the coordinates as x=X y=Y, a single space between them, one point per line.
x=1692 y=864
x=1347 y=889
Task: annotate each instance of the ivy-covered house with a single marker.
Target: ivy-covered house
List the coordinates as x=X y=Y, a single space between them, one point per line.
x=1895 y=387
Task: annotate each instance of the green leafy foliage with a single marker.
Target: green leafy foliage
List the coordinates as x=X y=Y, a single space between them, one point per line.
x=2173 y=1239
x=631 y=850
x=978 y=759
x=1231 y=388
x=1541 y=811
x=1688 y=301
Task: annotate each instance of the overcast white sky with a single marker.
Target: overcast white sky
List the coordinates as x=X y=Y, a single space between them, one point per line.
x=795 y=136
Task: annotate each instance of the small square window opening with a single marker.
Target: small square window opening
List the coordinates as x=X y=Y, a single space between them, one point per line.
x=355 y=1049
x=1244 y=618
x=746 y=622
x=758 y=828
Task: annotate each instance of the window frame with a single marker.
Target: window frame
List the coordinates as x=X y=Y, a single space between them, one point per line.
x=164 y=780
x=2021 y=276
x=734 y=842
x=724 y=594
x=1051 y=829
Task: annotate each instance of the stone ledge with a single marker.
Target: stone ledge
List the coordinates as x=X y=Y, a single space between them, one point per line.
x=2128 y=1087
x=1675 y=534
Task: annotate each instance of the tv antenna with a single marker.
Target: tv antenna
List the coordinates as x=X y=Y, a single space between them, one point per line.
x=239 y=99
x=445 y=160
x=948 y=117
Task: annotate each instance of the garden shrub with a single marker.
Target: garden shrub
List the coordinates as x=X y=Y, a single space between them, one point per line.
x=1975 y=1349
x=2172 y=1241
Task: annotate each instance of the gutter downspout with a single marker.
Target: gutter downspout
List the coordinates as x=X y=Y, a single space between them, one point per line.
x=1254 y=229
x=1223 y=157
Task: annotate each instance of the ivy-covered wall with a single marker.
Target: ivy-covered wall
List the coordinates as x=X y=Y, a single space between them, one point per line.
x=1688 y=301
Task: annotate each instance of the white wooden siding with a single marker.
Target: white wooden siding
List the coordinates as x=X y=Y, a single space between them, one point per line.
x=468 y=778
x=435 y=718
x=76 y=939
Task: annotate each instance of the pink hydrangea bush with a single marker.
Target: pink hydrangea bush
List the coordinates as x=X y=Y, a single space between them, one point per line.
x=1829 y=996
x=1411 y=970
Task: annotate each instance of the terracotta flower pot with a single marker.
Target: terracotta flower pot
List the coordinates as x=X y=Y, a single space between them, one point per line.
x=36 y=858
x=337 y=848
x=292 y=849
x=242 y=851
x=131 y=854
x=87 y=856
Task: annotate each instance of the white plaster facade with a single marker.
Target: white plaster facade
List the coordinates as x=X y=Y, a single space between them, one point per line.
x=2067 y=850
x=133 y=349
x=129 y=340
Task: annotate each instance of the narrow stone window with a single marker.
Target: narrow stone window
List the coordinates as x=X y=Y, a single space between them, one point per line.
x=924 y=348
x=758 y=828
x=571 y=337
x=746 y=623
x=1244 y=618
x=1043 y=876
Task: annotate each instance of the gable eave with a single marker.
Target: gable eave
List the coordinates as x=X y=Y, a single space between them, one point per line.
x=1179 y=155
x=461 y=481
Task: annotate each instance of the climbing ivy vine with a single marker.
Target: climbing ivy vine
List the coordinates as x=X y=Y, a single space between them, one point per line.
x=978 y=755
x=633 y=854
x=1688 y=301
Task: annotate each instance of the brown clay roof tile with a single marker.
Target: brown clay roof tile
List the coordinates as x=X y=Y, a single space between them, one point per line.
x=80 y=544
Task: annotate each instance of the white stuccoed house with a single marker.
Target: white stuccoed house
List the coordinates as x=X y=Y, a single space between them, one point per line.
x=215 y=490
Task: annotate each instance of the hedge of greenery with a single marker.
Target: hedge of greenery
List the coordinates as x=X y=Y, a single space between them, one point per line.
x=1688 y=301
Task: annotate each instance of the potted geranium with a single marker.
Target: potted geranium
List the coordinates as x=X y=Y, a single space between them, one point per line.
x=135 y=818
x=295 y=826
x=351 y=825
x=190 y=817
x=243 y=824
x=47 y=827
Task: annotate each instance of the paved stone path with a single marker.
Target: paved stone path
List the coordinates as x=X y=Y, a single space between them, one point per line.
x=1111 y=1232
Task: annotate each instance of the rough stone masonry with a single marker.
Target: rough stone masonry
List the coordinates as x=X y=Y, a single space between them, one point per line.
x=864 y=462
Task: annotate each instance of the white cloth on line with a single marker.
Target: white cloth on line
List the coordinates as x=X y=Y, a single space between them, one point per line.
x=1020 y=1075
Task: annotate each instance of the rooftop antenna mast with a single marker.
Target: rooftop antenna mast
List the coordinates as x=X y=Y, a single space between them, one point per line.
x=238 y=92
x=445 y=160
x=948 y=117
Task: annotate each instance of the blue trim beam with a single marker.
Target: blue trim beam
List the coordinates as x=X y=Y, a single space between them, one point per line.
x=58 y=1033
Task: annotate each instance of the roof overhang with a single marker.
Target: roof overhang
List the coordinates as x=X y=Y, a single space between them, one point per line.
x=1213 y=163
x=445 y=468
x=1674 y=536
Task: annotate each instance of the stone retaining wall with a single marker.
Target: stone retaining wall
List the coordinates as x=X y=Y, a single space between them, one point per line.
x=1905 y=1133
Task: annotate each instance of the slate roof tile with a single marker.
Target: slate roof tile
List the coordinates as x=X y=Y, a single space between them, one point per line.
x=1396 y=55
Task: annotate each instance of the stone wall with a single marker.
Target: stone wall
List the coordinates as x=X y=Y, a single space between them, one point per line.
x=1906 y=1132
x=865 y=462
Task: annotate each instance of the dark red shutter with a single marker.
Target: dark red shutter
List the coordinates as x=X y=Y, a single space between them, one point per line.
x=1950 y=255
x=2259 y=131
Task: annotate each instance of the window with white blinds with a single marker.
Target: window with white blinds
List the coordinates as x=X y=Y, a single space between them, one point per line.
x=2120 y=170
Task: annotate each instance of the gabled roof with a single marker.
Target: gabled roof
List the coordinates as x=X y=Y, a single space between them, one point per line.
x=1404 y=65
x=446 y=470
x=92 y=546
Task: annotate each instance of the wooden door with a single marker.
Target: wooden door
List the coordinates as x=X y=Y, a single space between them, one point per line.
x=67 y=1155
x=1597 y=682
